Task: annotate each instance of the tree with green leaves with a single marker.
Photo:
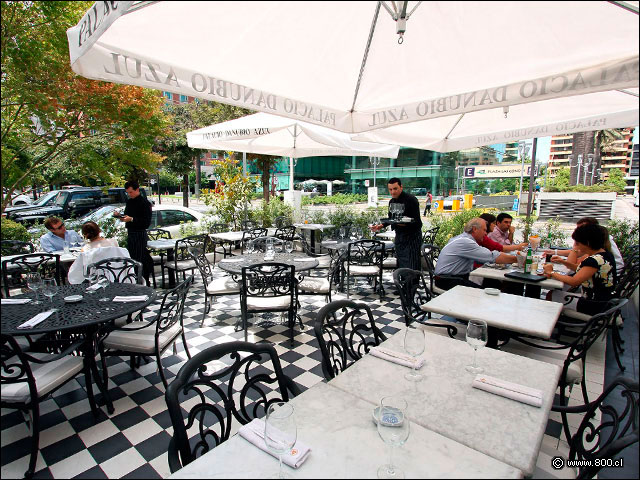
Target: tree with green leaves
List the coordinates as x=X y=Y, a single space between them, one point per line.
x=185 y=117
x=53 y=119
x=264 y=163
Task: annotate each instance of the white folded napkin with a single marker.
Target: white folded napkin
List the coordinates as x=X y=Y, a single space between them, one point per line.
x=303 y=259
x=330 y=241
x=254 y=433
x=93 y=288
x=130 y=298
x=41 y=317
x=15 y=301
x=504 y=388
x=232 y=260
x=397 y=357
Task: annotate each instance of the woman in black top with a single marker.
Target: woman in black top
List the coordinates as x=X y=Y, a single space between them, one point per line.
x=596 y=273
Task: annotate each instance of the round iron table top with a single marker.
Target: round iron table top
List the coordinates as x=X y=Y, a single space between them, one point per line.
x=89 y=311
x=234 y=265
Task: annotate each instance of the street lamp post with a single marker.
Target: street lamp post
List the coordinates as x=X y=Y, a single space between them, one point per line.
x=593 y=166
x=579 y=165
x=375 y=161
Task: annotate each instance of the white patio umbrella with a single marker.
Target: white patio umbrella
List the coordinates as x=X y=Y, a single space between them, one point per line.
x=551 y=66
x=272 y=135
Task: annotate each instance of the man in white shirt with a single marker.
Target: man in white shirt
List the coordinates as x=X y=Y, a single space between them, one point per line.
x=58 y=235
x=455 y=261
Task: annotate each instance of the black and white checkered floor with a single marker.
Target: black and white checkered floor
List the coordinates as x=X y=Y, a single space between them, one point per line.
x=132 y=443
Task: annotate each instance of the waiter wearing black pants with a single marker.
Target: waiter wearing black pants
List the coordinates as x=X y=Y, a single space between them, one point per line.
x=137 y=217
x=408 y=241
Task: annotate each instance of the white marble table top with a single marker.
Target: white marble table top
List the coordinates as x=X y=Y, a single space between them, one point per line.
x=498 y=274
x=445 y=402
x=510 y=312
x=391 y=234
x=344 y=443
x=312 y=226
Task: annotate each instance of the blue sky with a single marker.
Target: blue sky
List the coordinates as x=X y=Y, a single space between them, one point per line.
x=544 y=144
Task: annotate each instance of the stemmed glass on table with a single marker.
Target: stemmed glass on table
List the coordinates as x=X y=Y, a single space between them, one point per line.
x=342 y=233
x=250 y=247
x=393 y=428
x=104 y=282
x=414 y=346
x=280 y=432
x=34 y=283
x=288 y=246
x=49 y=289
x=91 y=274
x=477 y=335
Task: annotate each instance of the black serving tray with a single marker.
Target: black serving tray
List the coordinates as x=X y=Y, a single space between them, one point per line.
x=390 y=221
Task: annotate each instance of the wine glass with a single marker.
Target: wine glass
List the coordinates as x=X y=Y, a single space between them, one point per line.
x=103 y=281
x=342 y=233
x=393 y=428
x=280 y=432
x=34 y=283
x=49 y=288
x=534 y=241
x=414 y=346
x=477 y=338
x=251 y=247
x=288 y=246
x=400 y=210
x=91 y=274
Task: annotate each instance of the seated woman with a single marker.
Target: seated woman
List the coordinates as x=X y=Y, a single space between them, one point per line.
x=596 y=273
x=92 y=233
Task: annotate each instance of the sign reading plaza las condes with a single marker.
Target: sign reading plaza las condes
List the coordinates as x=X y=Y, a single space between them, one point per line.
x=497 y=171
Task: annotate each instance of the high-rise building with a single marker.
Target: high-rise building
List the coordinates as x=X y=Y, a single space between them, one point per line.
x=560 y=149
x=618 y=155
x=634 y=170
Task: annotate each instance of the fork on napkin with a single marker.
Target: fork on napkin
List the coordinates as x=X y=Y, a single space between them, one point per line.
x=40 y=317
x=14 y=301
x=397 y=357
x=130 y=298
x=504 y=388
x=254 y=433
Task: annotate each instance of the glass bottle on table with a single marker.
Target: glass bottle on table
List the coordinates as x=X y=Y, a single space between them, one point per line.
x=528 y=261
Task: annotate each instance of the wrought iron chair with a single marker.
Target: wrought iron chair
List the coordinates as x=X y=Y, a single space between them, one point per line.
x=16 y=247
x=158 y=256
x=28 y=378
x=120 y=270
x=252 y=234
x=220 y=385
x=269 y=287
x=150 y=337
x=345 y=331
x=429 y=236
x=601 y=437
x=282 y=221
x=309 y=285
x=14 y=269
x=248 y=224
x=213 y=287
x=182 y=261
x=413 y=293
x=259 y=244
x=324 y=259
x=430 y=255
x=571 y=356
x=226 y=245
x=287 y=233
x=364 y=259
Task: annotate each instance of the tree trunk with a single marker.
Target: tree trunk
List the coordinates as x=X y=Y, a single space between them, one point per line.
x=198 y=175
x=185 y=190
x=265 y=185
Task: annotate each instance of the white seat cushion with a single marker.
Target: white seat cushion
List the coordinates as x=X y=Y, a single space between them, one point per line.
x=48 y=377
x=556 y=357
x=314 y=284
x=363 y=270
x=222 y=286
x=182 y=265
x=268 y=303
x=210 y=257
x=324 y=261
x=575 y=314
x=544 y=468
x=390 y=262
x=140 y=341
x=438 y=290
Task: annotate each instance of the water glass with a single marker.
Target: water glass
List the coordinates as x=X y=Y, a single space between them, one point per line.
x=34 y=283
x=477 y=336
x=280 y=431
x=393 y=428
x=91 y=274
x=269 y=249
x=103 y=281
x=414 y=346
x=49 y=289
x=342 y=233
x=65 y=247
x=251 y=247
x=288 y=246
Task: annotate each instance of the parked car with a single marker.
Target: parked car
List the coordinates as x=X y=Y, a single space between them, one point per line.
x=44 y=201
x=73 y=203
x=18 y=198
x=167 y=217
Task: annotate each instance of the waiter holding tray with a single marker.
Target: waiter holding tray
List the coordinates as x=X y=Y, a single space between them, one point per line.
x=408 y=239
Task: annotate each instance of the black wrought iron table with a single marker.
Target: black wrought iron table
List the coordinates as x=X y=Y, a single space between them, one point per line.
x=81 y=318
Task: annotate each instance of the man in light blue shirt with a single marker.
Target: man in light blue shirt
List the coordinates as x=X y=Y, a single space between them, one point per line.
x=455 y=261
x=54 y=240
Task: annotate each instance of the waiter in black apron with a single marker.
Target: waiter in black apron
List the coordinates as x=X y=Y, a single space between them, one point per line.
x=408 y=239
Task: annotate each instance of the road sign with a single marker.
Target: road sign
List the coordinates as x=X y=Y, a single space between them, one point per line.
x=366 y=183
x=497 y=171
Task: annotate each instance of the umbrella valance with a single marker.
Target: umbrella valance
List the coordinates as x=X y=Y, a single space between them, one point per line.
x=460 y=66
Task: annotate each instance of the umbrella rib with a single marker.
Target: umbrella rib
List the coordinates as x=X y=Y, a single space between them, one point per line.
x=454 y=126
x=627 y=92
x=626 y=6
x=366 y=54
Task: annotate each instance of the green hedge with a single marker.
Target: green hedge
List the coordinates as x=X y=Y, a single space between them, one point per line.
x=337 y=199
x=10 y=230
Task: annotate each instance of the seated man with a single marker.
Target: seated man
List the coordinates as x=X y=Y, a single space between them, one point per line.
x=455 y=261
x=58 y=235
x=503 y=233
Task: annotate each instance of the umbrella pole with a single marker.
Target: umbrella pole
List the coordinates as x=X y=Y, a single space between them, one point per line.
x=244 y=174
x=291 y=165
